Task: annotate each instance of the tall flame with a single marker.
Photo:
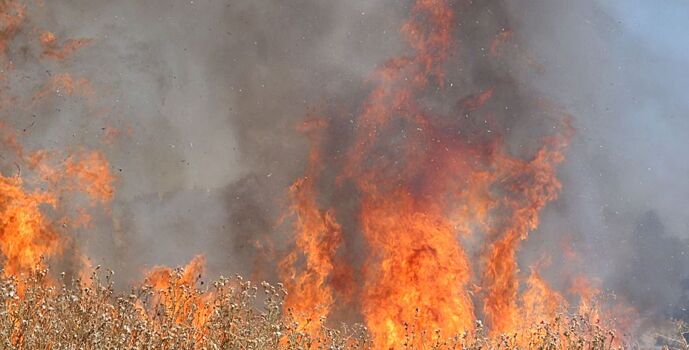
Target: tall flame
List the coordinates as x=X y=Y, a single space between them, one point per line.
x=426 y=183
x=311 y=295
x=416 y=273
x=527 y=187
x=32 y=199
x=26 y=235
x=40 y=189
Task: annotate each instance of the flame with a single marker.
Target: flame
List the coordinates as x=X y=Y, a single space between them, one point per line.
x=28 y=230
x=311 y=296
x=91 y=172
x=26 y=235
x=87 y=271
x=539 y=302
x=41 y=190
x=420 y=195
x=51 y=49
x=528 y=187
x=416 y=272
x=175 y=291
x=32 y=199
x=65 y=84
x=584 y=288
x=161 y=277
x=428 y=186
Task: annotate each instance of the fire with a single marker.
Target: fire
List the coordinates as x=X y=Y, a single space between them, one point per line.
x=426 y=183
x=175 y=292
x=319 y=238
x=34 y=201
x=42 y=190
x=65 y=84
x=539 y=302
x=51 y=49
x=528 y=186
x=417 y=273
x=587 y=293
x=161 y=277
x=26 y=235
x=91 y=172
x=441 y=204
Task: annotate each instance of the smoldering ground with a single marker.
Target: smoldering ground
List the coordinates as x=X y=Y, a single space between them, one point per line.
x=213 y=90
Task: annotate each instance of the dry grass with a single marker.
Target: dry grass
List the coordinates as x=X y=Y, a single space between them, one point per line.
x=231 y=314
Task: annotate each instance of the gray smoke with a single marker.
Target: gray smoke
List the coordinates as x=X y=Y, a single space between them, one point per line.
x=613 y=67
x=214 y=89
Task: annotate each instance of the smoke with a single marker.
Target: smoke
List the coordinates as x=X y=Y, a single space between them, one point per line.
x=213 y=90
x=615 y=68
x=205 y=97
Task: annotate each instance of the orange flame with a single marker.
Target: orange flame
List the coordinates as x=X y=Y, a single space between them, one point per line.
x=31 y=200
x=26 y=235
x=419 y=195
x=320 y=236
x=39 y=188
x=539 y=302
x=416 y=273
x=528 y=187
x=51 y=49
x=64 y=84
x=178 y=293
x=584 y=288
x=92 y=175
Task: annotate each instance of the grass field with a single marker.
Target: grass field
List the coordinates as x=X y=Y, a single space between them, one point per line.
x=40 y=312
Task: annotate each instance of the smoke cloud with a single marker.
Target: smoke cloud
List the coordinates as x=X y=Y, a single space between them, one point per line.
x=613 y=66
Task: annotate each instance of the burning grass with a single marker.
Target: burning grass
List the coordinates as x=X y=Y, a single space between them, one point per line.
x=425 y=181
x=230 y=313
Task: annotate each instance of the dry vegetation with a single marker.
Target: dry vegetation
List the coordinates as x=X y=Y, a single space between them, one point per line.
x=40 y=313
